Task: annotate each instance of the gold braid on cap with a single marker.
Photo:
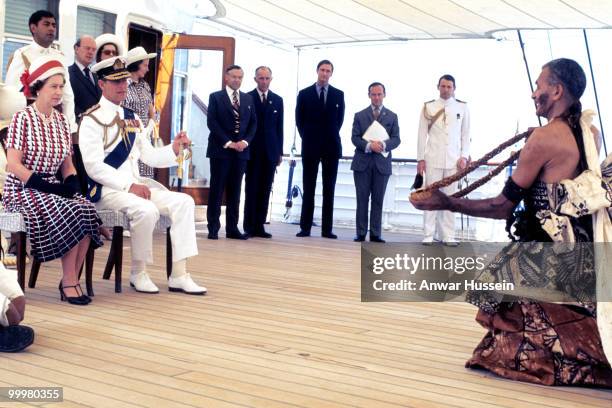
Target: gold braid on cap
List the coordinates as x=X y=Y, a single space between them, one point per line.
x=425 y=193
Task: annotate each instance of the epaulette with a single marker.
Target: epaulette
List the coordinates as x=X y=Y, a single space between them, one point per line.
x=460 y=101
x=86 y=113
x=433 y=100
x=90 y=110
x=56 y=48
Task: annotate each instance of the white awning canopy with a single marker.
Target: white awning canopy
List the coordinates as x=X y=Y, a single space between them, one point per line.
x=302 y=23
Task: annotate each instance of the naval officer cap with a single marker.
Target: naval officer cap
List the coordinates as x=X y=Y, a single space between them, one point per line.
x=111 y=69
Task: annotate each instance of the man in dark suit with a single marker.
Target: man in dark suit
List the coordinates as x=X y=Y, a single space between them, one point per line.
x=83 y=81
x=372 y=162
x=232 y=123
x=86 y=92
x=266 y=153
x=319 y=114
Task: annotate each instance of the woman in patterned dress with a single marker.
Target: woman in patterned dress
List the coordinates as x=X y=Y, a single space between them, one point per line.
x=60 y=222
x=139 y=97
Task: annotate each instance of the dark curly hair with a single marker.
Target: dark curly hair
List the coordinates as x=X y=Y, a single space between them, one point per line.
x=38 y=85
x=571 y=76
x=99 y=51
x=134 y=66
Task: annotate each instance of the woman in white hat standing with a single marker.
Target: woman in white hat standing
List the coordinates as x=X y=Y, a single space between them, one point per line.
x=139 y=97
x=108 y=46
x=60 y=222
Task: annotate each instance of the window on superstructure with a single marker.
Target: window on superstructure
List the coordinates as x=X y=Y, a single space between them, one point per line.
x=18 y=12
x=16 y=31
x=94 y=22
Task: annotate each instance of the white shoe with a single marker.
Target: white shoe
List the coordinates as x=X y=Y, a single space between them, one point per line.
x=141 y=282
x=186 y=285
x=427 y=241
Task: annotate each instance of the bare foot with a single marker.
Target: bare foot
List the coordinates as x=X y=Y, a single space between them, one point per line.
x=12 y=315
x=19 y=302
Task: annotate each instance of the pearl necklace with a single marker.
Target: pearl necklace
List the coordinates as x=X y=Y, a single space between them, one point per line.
x=44 y=118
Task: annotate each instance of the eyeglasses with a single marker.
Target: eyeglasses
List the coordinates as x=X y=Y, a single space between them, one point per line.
x=109 y=52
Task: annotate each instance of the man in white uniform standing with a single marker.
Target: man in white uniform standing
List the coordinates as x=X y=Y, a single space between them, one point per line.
x=443 y=148
x=43 y=27
x=112 y=139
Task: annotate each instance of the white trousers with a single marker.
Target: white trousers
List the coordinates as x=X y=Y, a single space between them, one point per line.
x=440 y=224
x=9 y=289
x=143 y=215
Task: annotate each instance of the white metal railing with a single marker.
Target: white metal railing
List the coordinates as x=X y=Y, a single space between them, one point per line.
x=398 y=214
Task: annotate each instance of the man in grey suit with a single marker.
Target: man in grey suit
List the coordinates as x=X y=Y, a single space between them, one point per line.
x=372 y=162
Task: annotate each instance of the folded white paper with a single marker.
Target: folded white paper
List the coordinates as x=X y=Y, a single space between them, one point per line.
x=376 y=133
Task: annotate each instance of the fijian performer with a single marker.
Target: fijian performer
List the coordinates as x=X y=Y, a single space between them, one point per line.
x=530 y=339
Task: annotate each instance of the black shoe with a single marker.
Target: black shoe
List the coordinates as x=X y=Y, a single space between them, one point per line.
x=374 y=238
x=329 y=235
x=80 y=300
x=79 y=290
x=359 y=238
x=213 y=235
x=236 y=235
x=15 y=338
x=303 y=233
x=261 y=234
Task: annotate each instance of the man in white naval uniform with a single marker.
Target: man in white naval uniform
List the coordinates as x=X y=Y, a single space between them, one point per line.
x=43 y=27
x=122 y=189
x=443 y=148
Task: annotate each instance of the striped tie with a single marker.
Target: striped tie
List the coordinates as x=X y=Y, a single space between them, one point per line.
x=236 y=109
x=235 y=103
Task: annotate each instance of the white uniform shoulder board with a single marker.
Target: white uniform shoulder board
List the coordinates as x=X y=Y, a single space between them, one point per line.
x=90 y=110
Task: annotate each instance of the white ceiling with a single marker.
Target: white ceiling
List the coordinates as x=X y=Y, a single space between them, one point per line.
x=316 y=22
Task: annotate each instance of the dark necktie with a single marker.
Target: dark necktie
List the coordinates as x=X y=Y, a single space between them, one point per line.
x=236 y=107
x=376 y=112
x=322 y=97
x=264 y=100
x=235 y=101
x=86 y=72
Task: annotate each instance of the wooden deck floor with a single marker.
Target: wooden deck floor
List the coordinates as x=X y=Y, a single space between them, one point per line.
x=282 y=326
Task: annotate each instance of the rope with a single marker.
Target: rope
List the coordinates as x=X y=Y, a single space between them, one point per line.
x=425 y=193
